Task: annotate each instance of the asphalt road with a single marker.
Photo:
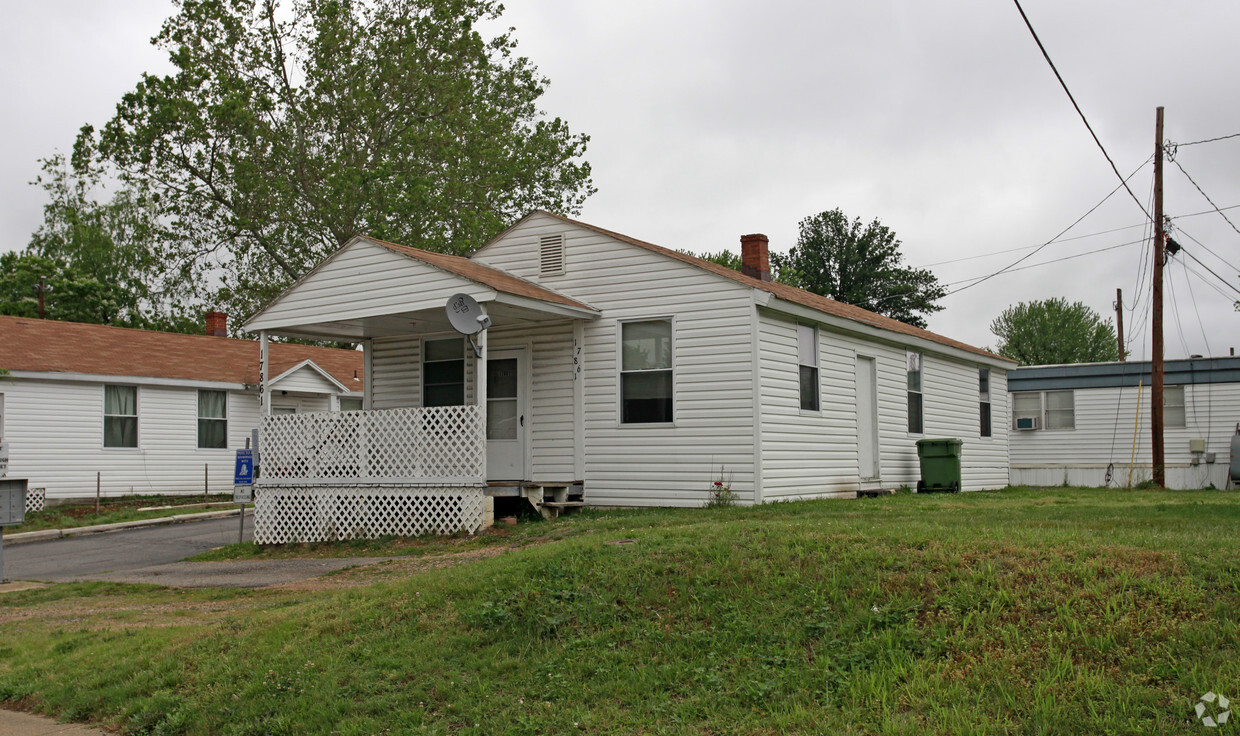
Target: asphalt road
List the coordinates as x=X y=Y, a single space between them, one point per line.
x=153 y=555
x=94 y=556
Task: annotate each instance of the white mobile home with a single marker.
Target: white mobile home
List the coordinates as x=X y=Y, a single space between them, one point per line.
x=627 y=372
x=1089 y=424
x=140 y=411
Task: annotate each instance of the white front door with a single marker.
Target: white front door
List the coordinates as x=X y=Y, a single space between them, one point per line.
x=867 y=419
x=506 y=412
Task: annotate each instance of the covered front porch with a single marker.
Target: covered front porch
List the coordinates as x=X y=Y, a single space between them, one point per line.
x=446 y=423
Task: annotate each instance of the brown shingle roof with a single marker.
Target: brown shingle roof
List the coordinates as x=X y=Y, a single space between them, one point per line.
x=71 y=347
x=483 y=274
x=790 y=293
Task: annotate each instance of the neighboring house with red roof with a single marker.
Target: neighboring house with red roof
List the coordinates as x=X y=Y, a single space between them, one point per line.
x=146 y=410
x=619 y=370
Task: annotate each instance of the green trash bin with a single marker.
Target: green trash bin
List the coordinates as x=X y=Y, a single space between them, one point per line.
x=940 y=465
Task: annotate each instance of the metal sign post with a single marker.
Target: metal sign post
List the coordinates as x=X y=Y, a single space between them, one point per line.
x=243 y=487
x=12 y=511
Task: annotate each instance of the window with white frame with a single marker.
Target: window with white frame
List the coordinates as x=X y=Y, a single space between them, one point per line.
x=807 y=349
x=443 y=372
x=212 y=419
x=983 y=400
x=120 y=416
x=1060 y=410
x=1173 y=407
x=1043 y=410
x=916 y=421
x=646 y=372
x=350 y=404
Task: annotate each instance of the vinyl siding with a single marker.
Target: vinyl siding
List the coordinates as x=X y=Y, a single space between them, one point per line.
x=363 y=280
x=55 y=433
x=815 y=454
x=1105 y=420
x=397 y=366
x=305 y=379
x=651 y=465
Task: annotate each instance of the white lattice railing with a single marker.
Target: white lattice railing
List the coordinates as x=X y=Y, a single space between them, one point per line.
x=325 y=513
x=436 y=446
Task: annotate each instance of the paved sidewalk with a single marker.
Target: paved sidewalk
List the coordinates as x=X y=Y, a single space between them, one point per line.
x=14 y=723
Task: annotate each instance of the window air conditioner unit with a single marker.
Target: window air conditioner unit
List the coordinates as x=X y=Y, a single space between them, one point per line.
x=1027 y=423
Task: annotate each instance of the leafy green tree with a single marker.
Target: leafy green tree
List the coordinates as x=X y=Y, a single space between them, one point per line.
x=1053 y=331
x=287 y=129
x=68 y=296
x=858 y=265
x=725 y=258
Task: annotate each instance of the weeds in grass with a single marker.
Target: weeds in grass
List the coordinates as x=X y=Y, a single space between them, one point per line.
x=1061 y=611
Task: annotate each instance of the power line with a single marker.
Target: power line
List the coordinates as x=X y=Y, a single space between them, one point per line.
x=1185 y=233
x=1203 y=193
x=1030 y=247
x=1208 y=282
x=1208 y=140
x=1064 y=84
x=979 y=279
x=1197 y=311
x=1215 y=275
x=1011 y=266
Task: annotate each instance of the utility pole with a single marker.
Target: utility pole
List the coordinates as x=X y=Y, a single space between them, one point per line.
x=1156 y=358
x=41 y=290
x=1119 y=320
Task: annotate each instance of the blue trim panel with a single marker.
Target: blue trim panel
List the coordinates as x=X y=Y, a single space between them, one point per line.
x=1115 y=375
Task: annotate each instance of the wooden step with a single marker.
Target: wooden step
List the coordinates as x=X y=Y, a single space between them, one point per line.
x=564 y=504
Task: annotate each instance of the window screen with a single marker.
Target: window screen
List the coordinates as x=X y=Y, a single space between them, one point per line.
x=807 y=348
x=646 y=372
x=443 y=372
x=212 y=419
x=120 y=416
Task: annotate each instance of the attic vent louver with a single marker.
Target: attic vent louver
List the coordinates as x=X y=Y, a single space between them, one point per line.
x=551 y=255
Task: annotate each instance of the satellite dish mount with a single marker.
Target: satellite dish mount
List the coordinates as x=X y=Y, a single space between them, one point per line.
x=466 y=317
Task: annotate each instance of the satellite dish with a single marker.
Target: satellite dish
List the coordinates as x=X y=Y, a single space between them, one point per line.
x=467 y=318
x=465 y=315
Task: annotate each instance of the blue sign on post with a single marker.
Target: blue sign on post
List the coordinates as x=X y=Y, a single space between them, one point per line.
x=244 y=474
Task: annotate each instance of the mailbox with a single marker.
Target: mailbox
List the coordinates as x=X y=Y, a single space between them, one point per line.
x=12 y=501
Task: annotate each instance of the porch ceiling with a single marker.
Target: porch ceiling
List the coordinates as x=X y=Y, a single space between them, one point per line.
x=504 y=310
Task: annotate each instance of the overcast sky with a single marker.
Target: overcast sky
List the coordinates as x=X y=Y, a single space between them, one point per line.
x=713 y=119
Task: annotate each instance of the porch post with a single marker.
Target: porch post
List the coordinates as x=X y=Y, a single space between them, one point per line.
x=264 y=366
x=480 y=392
x=368 y=359
x=579 y=403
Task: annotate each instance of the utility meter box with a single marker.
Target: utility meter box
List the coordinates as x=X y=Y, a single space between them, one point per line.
x=12 y=501
x=1197 y=445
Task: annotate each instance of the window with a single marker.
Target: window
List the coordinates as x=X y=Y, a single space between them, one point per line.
x=443 y=372
x=983 y=398
x=281 y=410
x=120 y=416
x=1060 y=410
x=1173 y=406
x=807 y=347
x=646 y=372
x=350 y=404
x=1043 y=410
x=1027 y=410
x=915 y=421
x=212 y=419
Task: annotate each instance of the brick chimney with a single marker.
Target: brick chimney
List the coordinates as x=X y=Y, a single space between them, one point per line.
x=217 y=324
x=755 y=258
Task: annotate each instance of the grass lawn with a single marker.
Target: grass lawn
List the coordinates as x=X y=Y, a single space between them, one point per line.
x=114 y=509
x=1023 y=611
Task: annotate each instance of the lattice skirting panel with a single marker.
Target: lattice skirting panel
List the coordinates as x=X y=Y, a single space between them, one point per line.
x=319 y=514
x=36 y=499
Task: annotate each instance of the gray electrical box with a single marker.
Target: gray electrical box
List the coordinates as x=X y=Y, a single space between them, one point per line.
x=12 y=501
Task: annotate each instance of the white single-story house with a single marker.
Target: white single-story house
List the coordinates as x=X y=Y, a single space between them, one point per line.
x=615 y=373
x=140 y=411
x=1089 y=424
